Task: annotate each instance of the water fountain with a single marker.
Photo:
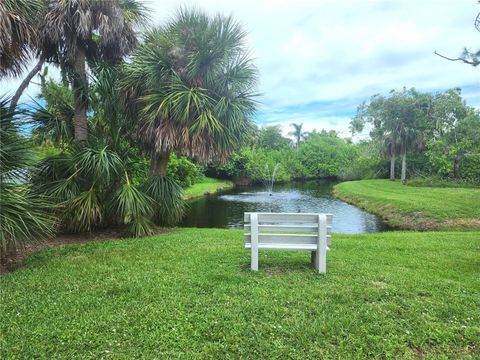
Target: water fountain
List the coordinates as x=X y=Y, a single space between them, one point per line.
x=269 y=178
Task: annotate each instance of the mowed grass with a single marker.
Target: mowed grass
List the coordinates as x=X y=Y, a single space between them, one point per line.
x=207 y=186
x=419 y=208
x=190 y=295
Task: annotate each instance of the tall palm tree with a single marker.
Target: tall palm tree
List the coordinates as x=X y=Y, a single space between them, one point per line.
x=193 y=84
x=297 y=133
x=18 y=35
x=73 y=32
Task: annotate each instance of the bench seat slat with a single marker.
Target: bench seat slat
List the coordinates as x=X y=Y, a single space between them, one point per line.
x=285 y=238
x=288 y=217
x=296 y=228
x=307 y=247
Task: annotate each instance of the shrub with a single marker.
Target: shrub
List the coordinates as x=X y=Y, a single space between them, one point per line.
x=184 y=171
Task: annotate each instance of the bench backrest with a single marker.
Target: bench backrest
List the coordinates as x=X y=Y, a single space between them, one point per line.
x=286 y=228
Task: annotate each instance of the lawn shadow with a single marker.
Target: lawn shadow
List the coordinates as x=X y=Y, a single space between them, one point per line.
x=279 y=266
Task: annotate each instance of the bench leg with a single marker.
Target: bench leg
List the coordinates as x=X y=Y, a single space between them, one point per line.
x=321 y=261
x=254 y=259
x=321 y=253
x=312 y=259
x=254 y=237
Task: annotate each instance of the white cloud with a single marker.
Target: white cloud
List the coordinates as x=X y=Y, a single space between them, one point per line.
x=342 y=52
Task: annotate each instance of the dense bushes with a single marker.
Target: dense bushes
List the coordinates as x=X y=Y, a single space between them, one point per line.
x=321 y=155
x=325 y=156
x=470 y=167
x=435 y=181
x=184 y=171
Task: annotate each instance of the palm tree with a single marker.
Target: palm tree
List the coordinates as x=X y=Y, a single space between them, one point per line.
x=73 y=32
x=96 y=184
x=390 y=150
x=24 y=215
x=297 y=133
x=18 y=36
x=193 y=82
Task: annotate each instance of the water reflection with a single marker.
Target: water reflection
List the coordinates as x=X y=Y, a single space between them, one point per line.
x=226 y=209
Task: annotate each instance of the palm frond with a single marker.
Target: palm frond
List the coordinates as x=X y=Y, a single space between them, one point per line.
x=167 y=194
x=134 y=207
x=191 y=85
x=25 y=213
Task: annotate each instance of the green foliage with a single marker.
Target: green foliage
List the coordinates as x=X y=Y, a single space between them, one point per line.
x=320 y=155
x=167 y=194
x=184 y=171
x=325 y=156
x=470 y=166
x=24 y=215
x=134 y=207
x=270 y=137
x=454 y=152
x=92 y=188
x=54 y=121
x=190 y=294
x=398 y=122
x=366 y=162
x=252 y=163
x=440 y=182
x=435 y=132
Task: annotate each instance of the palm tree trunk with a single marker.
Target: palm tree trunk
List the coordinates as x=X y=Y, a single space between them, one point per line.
x=392 y=167
x=159 y=163
x=80 y=96
x=25 y=82
x=404 y=167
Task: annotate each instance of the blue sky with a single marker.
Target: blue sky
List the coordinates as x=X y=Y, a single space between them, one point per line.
x=319 y=59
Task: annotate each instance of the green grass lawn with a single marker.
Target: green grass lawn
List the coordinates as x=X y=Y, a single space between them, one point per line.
x=207 y=186
x=417 y=208
x=190 y=294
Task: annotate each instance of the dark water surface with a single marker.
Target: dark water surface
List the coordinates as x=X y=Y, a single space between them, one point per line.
x=225 y=210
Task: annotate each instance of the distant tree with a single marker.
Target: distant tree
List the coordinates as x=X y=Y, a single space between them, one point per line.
x=398 y=121
x=383 y=130
x=270 y=137
x=456 y=133
x=297 y=133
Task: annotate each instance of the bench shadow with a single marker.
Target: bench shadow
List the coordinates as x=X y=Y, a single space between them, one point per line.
x=279 y=267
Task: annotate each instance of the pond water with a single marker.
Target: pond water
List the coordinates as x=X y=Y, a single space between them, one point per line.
x=225 y=210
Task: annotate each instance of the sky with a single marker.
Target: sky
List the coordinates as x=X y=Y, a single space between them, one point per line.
x=318 y=60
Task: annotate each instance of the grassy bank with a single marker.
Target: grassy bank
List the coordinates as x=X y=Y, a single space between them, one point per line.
x=417 y=208
x=207 y=186
x=190 y=294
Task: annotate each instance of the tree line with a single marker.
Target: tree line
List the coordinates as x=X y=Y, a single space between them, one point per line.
x=416 y=134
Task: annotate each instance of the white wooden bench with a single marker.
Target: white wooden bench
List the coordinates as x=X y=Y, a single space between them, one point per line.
x=289 y=231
